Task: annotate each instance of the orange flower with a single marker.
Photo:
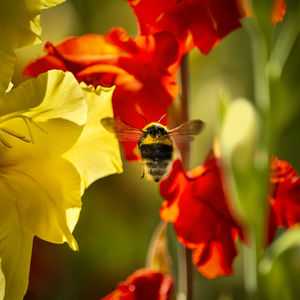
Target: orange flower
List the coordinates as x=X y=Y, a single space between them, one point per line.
x=196 y=204
x=143 y=284
x=278 y=12
x=285 y=197
x=194 y=23
x=143 y=71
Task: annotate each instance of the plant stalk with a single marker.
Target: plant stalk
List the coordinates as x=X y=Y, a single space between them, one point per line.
x=185 y=255
x=263 y=104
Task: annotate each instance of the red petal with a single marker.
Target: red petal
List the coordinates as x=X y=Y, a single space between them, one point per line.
x=196 y=204
x=108 y=75
x=144 y=284
x=285 y=197
x=118 y=37
x=86 y=48
x=44 y=64
x=216 y=258
x=193 y=22
x=281 y=171
x=278 y=12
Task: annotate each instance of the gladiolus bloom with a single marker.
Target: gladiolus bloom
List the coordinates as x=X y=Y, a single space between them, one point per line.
x=143 y=71
x=196 y=204
x=194 y=23
x=143 y=284
x=45 y=123
x=285 y=196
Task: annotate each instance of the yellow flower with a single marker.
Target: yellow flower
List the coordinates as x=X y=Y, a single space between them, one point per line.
x=44 y=125
x=96 y=153
x=19 y=27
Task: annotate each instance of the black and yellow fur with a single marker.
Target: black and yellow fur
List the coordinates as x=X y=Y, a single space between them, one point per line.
x=156 y=150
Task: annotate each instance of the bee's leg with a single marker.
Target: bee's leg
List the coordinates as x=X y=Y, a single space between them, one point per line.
x=143 y=174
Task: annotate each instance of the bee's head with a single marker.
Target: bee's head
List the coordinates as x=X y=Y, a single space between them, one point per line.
x=155 y=129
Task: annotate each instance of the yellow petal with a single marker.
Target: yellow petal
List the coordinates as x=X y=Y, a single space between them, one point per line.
x=7 y=61
x=15 y=247
x=2 y=281
x=41 y=117
x=54 y=94
x=51 y=3
x=45 y=191
x=45 y=140
x=19 y=22
x=9 y=88
x=96 y=153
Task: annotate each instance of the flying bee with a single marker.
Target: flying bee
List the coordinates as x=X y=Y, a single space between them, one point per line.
x=154 y=141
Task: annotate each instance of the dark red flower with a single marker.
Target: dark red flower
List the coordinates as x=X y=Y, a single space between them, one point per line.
x=285 y=196
x=143 y=71
x=200 y=23
x=196 y=204
x=144 y=284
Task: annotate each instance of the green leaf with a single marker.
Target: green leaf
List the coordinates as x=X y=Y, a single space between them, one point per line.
x=286 y=241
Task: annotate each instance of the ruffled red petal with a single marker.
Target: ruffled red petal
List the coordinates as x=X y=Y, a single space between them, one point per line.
x=216 y=258
x=144 y=284
x=285 y=196
x=73 y=54
x=196 y=205
x=193 y=22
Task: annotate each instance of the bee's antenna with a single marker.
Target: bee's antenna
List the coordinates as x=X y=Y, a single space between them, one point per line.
x=161 y=118
x=144 y=118
x=131 y=125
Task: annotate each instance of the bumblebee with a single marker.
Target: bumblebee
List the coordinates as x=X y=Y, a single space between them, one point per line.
x=154 y=141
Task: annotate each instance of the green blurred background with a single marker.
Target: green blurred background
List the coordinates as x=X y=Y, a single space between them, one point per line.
x=121 y=212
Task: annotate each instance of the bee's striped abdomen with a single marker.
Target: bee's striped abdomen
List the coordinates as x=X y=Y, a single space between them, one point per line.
x=156 y=150
x=156 y=159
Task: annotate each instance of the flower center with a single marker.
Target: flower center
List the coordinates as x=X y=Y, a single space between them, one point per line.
x=28 y=122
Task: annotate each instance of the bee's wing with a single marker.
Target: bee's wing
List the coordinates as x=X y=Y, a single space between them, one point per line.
x=124 y=132
x=186 y=131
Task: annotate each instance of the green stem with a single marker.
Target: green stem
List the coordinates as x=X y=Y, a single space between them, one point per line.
x=284 y=42
x=261 y=161
x=185 y=255
x=259 y=60
x=250 y=269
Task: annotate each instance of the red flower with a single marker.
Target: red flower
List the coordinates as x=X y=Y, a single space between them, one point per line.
x=144 y=284
x=284 y=198
x=194 y=22
x=195 y=203
x=143 y=71
x=278 y=12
